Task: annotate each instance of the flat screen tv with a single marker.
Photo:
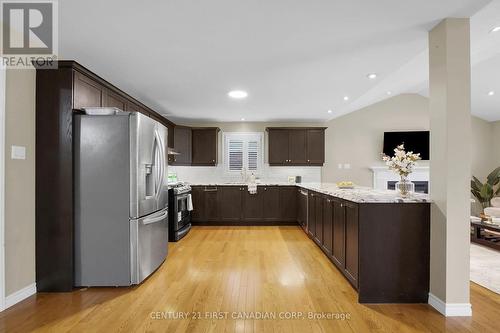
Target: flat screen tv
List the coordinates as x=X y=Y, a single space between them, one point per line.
x=417 y=141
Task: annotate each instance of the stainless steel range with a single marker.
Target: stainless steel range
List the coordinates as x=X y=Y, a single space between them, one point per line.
x=179 y=216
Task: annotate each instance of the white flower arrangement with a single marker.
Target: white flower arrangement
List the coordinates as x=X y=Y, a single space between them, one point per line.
x=402 y=162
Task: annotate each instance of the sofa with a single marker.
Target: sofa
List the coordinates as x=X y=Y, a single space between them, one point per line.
x=494 y=210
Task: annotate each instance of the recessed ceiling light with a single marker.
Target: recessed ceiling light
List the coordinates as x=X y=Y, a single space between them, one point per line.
x=389 y=93
x=372 y=76
x=346 y=98
x=237 y=94
x=491 y=93
x=495 y=29
x=242 y=119
x=329 y=111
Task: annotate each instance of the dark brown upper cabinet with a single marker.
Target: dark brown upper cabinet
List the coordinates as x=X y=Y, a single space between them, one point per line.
x=87 y=92
x=296 y=146
x=170 y=135
x=111 y=99
x=204 y=146
x=315 y=151
x=278 y=146
x=131 y=107
x=182 y=145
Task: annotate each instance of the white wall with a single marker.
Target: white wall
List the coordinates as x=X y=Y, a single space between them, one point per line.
x=20 y=181
x=496 y=140
x=484 y=155
x=357 y=138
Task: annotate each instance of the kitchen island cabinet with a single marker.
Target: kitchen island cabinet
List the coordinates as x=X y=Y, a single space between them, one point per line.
x=382 y=249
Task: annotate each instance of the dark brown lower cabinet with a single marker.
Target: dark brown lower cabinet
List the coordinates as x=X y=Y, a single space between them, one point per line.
x=230 y=202
x=351 y=243
x=270 y=203
x=328 y=225
x=311 y=214
x=318 y=202
x=302 y=197
x=338 y=223
x=287 y=203
x=253 y=206
x=235 y=205
x=382 y=249
x=198 y=197
x=211 y=204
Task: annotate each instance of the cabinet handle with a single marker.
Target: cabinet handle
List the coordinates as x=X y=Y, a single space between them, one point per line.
x=308 y=161
x=265 y=188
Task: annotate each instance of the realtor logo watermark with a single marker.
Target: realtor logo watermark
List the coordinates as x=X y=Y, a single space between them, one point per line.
x=29 y=34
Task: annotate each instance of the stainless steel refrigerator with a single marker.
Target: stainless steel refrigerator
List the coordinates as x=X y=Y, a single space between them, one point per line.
x=121 y=213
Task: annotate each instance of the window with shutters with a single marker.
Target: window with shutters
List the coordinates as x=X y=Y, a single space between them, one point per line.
x=243 y=152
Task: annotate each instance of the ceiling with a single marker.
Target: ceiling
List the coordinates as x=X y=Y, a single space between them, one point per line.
x=296 y=58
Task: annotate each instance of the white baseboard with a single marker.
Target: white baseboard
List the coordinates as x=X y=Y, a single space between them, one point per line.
x=20 y=295
x=450 y=309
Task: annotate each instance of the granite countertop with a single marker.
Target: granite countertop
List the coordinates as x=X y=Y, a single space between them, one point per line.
x=358 y=194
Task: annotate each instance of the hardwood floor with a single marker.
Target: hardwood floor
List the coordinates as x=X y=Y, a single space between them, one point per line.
x=273 y=270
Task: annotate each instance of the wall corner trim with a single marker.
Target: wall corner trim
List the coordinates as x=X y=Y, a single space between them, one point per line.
x=450 y=309
x=20 y=295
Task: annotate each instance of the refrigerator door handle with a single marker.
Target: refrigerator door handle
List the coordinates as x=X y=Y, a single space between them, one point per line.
x=151 y=220
x=161 y=153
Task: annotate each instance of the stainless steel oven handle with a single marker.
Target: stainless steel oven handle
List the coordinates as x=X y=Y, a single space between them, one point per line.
x=155 y=219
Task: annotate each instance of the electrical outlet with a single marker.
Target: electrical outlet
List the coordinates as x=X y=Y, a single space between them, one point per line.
x=347 y=166
x=340 y=166
x=18 y=153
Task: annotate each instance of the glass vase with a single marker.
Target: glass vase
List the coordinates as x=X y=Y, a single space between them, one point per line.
x=405 y=187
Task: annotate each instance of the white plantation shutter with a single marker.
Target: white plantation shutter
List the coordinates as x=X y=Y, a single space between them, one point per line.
x=235 y=151
x=243 y=151
x=253 y=155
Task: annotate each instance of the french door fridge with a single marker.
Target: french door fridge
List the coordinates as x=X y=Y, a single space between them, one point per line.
x=121 y=198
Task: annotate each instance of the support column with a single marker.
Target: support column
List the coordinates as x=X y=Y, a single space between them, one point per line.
x=450 y=170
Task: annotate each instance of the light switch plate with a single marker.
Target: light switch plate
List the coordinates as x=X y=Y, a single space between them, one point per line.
x=18 y=152
x=340 y=166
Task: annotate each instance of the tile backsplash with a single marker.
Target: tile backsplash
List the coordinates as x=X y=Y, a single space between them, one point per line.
x=218 y=174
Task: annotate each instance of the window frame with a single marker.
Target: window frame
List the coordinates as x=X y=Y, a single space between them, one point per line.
x=245 y=136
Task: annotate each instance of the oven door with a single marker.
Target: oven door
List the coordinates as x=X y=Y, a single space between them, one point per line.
x=181 y=208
